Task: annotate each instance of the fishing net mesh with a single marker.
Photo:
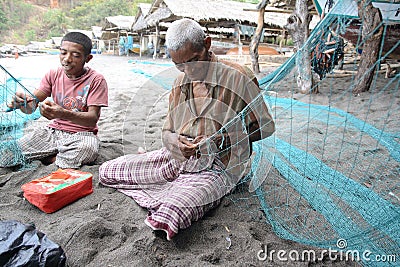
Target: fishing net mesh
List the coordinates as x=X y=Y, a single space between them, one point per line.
x=12 y=122
x=329 y=172
x=335 y=170
x=329 y=175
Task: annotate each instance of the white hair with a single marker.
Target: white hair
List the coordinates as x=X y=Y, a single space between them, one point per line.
x=182 y=32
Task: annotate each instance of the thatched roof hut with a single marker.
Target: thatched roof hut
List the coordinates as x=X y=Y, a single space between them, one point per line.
x=211 y=14
x=140 y=22
x=115 y=25
x=224 y=19
x=119 y=23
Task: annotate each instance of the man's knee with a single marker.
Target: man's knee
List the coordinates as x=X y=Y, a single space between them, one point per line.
x=89 y=152
x=104 y=174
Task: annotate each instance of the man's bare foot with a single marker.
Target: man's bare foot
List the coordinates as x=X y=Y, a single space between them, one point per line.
x=141 y=150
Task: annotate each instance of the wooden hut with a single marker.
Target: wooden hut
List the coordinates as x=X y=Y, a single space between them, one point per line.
x=390 y=13
x=230 y=23
x=140 y=23
x=114 y=28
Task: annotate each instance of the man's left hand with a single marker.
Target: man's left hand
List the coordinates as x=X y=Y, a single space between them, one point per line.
x=51 y=110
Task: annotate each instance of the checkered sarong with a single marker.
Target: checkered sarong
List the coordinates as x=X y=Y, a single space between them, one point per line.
x=156 y=181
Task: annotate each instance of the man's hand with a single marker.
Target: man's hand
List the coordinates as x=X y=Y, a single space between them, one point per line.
x=25 y=102
x=181 y=147
x=186 y=146
x=51 y=110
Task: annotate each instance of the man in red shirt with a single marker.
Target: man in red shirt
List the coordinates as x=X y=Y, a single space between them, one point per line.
x=78 y=93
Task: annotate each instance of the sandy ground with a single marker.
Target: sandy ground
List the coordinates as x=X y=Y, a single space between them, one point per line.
x=107 y=228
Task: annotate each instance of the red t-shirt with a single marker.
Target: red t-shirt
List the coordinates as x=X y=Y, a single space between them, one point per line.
x=75 y=94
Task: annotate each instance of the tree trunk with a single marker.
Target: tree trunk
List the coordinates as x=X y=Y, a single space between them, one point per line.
x=298 y=28
x=372 y=32
x=255 y=40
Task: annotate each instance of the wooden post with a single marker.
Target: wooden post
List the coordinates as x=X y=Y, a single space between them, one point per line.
x=255 y=40
x=156 y=41
x=372 y=32
x=127 y=50
x=298 y=28
x=140 y=44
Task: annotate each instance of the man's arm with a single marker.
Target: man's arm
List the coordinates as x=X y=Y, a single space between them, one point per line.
x=262 y=125
x=51 y=110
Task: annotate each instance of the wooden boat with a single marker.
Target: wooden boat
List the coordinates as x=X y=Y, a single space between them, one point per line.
x=391 y=39
x=262 y=50
x=390 y=12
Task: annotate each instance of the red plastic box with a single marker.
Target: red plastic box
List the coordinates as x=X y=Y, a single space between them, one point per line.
x=58 y=189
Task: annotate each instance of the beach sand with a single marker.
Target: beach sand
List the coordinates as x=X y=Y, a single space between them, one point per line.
x=107 y=228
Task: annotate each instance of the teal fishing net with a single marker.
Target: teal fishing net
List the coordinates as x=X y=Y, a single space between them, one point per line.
x=335 y=176
x=12 y=121
x=329 y=175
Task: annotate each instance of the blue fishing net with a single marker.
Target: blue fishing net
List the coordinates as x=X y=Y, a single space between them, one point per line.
x=12 y=122
x=336 y=169
x=329 y=176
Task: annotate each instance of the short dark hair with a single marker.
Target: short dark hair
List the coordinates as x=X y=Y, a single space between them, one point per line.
x=79 y=38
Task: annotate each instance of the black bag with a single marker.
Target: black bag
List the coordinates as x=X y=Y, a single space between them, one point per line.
x=23 y=245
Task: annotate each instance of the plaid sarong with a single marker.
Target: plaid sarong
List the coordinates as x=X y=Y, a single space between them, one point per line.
x=158 y=182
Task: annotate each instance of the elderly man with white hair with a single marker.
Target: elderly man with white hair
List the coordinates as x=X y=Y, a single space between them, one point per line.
x=215 y=112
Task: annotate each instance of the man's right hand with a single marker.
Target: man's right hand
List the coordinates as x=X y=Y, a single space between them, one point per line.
x=22 y=101
x=180 y=146
x=187 y=146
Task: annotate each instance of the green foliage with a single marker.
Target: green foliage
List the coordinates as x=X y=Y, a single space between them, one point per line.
x=93 y=12
x=30 y=35
x=14 y=13
x=21 y=22
x=56 y=22
x=17 y=36
x=3 y=20
x=14 y=16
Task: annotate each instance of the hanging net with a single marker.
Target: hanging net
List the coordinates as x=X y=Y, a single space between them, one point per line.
x=12 y=121
x=329 y=175
x=335 y=176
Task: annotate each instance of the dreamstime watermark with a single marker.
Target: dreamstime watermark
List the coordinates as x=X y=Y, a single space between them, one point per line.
x=339 y=253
